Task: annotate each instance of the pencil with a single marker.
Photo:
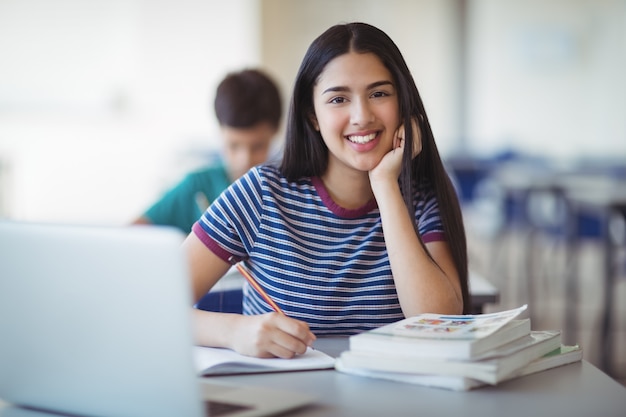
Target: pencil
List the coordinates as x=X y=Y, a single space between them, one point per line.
x=258 y=288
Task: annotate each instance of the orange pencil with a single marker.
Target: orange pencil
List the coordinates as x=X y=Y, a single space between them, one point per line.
x=257 y=287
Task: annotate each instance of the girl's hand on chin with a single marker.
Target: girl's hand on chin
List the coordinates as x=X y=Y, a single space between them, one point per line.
x=390 y=165
x=388 y=169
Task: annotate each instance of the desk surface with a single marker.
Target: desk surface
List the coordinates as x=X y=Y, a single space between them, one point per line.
x=578 y=389
x=482 y=292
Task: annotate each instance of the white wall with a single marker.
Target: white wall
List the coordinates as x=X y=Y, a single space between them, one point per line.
x=102 y=100
x=547 y=77
x=103 y=103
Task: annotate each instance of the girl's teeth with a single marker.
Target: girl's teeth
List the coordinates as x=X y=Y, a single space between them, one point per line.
x=362 y=139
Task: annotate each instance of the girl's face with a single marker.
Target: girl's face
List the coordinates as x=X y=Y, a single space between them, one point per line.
x=356 y=110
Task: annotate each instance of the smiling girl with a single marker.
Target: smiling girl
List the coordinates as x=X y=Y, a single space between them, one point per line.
x=357 y=226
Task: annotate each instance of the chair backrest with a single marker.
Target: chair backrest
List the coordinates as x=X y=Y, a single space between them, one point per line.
x=222 y=301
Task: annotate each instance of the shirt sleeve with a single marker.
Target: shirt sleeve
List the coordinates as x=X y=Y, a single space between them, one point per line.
x=428 y=217
x=230 y=224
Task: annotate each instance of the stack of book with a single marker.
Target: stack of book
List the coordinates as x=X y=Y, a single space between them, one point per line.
x=458 y=352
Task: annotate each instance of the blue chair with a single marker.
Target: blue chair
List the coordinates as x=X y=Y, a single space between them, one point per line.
x=226 y=296
x=222 y=301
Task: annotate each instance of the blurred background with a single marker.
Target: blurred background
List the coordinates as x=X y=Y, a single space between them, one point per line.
x=106 y=103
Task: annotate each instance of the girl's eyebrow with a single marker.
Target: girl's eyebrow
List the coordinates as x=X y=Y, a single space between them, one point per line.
x=369 y=87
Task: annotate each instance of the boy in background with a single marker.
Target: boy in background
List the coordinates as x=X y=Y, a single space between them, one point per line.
x=248 y=108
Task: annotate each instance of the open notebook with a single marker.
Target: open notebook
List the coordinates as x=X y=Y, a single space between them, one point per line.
x=96 y=321
x=216 y=361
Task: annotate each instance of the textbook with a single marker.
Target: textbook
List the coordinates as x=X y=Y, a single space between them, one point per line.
x=491 y=368
x=218 y=361
x=561 y=356
x=558 y=357
x=463 y=337
x=442 y=326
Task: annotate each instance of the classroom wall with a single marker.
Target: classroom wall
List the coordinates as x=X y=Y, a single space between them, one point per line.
x=104 y=103
x=546 y=77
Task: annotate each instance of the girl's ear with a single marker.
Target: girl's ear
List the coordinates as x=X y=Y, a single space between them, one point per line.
x=313 y=120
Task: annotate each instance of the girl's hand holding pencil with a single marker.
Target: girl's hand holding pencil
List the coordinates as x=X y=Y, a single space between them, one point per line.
x=273 y=334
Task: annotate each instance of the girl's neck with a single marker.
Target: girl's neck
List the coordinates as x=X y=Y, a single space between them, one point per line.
x=350 y=190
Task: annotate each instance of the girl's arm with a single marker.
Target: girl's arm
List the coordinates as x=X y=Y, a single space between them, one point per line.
x=422 y=285
x=266 y=335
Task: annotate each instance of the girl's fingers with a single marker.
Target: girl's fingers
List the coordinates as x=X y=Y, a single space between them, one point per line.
x=285 y=337
x=398 y=138
x=417 y=138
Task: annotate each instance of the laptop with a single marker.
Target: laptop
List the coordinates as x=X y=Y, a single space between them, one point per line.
x=96 y=321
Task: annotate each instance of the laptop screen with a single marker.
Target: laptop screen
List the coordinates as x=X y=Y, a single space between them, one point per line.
x=96 y=320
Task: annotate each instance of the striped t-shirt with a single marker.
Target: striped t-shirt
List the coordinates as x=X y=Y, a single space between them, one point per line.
x=321 y=263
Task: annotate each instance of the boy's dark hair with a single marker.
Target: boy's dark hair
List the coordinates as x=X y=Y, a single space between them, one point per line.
x=247 y=98
x=306 y=155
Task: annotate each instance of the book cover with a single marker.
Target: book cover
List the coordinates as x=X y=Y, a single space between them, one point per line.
x=218 y=361
x=441 y=326
x=491 y=368
x=453 y=383
x=381 y=341
x=559 y=357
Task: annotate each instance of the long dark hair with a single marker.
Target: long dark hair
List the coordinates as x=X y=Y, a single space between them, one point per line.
x=306 y=155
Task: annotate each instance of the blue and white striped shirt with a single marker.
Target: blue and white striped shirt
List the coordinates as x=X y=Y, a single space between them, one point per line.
x=319 y=262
